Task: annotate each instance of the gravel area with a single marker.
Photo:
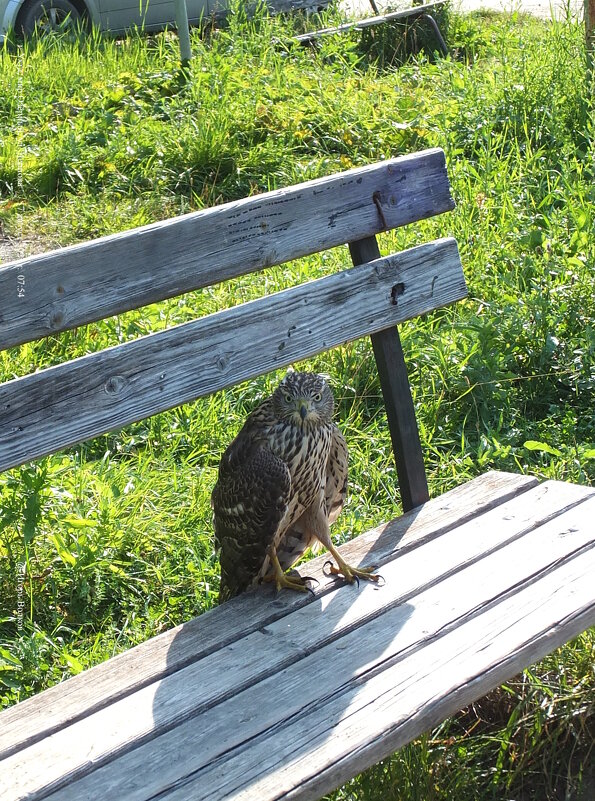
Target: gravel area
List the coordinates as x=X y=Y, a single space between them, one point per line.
x=541 y=8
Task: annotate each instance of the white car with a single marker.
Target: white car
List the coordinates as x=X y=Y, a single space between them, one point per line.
x=116 y=16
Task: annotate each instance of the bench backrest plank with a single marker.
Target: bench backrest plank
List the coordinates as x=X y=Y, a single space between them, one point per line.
x=91 y=395
x=71 y=402
x=90 y=281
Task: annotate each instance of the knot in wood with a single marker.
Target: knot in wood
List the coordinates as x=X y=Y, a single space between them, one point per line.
x=115 y=384
x=396 y=292
x=56 y=319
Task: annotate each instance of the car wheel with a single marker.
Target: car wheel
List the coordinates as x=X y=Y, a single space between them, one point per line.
x=49 y=15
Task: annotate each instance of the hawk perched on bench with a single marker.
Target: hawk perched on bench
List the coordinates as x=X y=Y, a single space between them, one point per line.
x=282 y=482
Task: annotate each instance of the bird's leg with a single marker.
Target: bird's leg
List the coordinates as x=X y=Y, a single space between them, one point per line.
x=349 y=573
x=294 y=582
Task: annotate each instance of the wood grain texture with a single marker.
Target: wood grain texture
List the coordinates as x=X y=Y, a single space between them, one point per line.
x=270 y=649
x=81 y=695
x=340 y=738
x=285 y=730
x=66 y=404
x=107 y=276
x=398 y=402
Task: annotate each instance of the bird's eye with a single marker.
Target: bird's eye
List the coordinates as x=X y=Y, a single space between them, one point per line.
x=288 y=398
x=317 y=397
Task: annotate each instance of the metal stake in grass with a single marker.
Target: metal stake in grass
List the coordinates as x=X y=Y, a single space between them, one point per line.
x=183 y=32
x=590 y=32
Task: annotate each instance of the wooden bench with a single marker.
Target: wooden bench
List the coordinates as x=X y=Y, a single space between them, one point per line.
x=285 y=696
x=423 y=12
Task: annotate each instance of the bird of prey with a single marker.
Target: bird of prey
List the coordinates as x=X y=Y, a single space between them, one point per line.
x=282 y=482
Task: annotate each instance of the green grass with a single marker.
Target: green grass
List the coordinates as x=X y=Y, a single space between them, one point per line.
x=110 y=543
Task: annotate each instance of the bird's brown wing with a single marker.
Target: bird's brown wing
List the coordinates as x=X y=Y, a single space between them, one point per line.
x=249 y=502
x=335 y=491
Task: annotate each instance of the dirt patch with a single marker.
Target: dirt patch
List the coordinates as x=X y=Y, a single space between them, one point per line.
x=540 y=8
x=14 y=249
x=8 y=250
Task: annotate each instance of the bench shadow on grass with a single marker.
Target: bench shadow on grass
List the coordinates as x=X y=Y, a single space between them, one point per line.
x=298 y=664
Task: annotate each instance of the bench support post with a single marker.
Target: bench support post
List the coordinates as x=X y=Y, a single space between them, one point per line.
x=397 y=398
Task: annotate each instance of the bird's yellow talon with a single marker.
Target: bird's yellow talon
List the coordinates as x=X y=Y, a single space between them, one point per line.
x=290 y=583
x=293 y=581
x=351 y=574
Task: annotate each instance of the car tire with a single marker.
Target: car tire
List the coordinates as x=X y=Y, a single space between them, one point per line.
x=49 y=15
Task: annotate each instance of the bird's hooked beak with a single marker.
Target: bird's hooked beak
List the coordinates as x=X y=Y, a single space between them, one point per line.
x=302 y=411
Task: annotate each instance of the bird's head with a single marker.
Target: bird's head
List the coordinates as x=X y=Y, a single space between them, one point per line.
x=303 y=399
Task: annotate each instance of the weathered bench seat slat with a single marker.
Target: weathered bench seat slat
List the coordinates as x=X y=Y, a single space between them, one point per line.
x=81 y=695
x=371 y=718
x=339 y=659
x=93 y=394
x=93 y=280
